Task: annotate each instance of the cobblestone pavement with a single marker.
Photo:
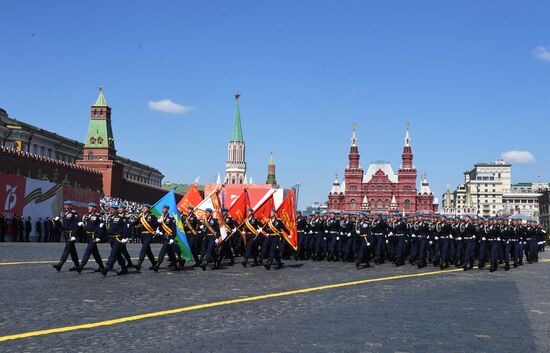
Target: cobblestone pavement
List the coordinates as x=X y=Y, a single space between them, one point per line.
x=473 y=311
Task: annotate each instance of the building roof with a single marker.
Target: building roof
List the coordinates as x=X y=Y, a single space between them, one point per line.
x=385 y=167
x=180 y=188
x=237 y=132
x=100 y=101
x=425 y=187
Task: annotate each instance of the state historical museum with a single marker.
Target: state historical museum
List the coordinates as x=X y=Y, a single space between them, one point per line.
x=379 y=189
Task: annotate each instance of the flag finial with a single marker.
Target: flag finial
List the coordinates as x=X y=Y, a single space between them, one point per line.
x=237 y=96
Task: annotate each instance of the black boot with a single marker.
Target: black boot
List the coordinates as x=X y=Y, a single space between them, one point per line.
x=138 y=266
x=79 y=269
x=244 y=263
x=156 y=267
x=104 y=272
x=74 y=268
x=122 y=272
x=267 y=265
x=58 y=266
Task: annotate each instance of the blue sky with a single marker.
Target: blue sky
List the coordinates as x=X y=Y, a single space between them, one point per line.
x=472 y=78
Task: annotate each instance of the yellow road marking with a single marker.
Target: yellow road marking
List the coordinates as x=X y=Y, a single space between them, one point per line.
x=38 y=262
x=218 y=303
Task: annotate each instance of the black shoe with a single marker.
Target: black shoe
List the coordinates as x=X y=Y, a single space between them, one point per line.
x=466 y=268
x=74 y=268
x=104 y=272
x=267 y=265
x=57 y=267
x=99 y=269
x=156 y=267
x=196 y=264
x=79 y=269
x=231 y=262
x=203 y=266
x=244 y=263
x=357 y=264
x=130 y=265
x=122 y=272
x=280 y=265
x=138 y=268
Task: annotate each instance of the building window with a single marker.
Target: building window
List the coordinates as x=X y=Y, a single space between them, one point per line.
x=379 y=204
x=90 y=156
x=407 y=204
x=352 y=204
x=92 y=140
x=99 y=140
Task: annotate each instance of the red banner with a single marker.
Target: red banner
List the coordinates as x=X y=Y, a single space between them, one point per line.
x=191 y=198
x=287 y=214
x=12 y=194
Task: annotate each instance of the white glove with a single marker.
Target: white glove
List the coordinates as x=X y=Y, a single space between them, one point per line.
x=259 y=230
x=97 y=240
x=483 y=239
x=387 y=241
x=217 y=241
x=101 y=225
x=431 y=242
x=450 y=236
x=310 y=232
x=368 y=244
x=413 y=235
x=459 y=238
x=474 y=237
x=326 y=231
x=171 y=241
x=349 y=235
x=158 y=232
x=436 y=238
x=72 y=238
x=202 y=226
x=80 y=224
x=391 y=233
x=325 y=238
x=337 y=238
x=234 y=230
x=498 y=238
x=56 y=218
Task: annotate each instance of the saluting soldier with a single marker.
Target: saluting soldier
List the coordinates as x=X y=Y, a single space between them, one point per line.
x=252 y=231
x=68 y=223
x=211 y=228
x=116 y=230
x=167 y=230
x=270 y=250
x=146 y=225
x=92 y=222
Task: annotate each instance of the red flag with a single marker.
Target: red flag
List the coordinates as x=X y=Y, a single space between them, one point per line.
x=262 y=211
x=191 y=198
x=238 y=210
x=287 y=214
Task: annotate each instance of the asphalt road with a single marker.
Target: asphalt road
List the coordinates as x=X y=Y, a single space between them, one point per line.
x=457 y=311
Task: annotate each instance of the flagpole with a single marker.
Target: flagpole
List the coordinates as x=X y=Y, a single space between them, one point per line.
x=298 y=184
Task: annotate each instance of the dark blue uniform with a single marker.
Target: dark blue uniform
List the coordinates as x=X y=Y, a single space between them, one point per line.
x=167 y=230
x=92 y=224
x=270 y=247
x=68 y=223
x=211 y=230
x=116 y=232
x=146 y=225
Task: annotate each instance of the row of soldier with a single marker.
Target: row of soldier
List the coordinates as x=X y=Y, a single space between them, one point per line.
x=437 y=240
x=421 y=241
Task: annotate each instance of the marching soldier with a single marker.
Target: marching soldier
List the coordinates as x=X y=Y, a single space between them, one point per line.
x=68 y=223
x=92 y=222
x=191 y=226
x=331 y=233
x=167 y=230
x=303 y=236
x=146 y=225
x=117 y=231
x=225 y=246
x=399 y=235
x=468 y=237
x=211 y=228
x=270 y=249
x=253 y=233
x=124 y=251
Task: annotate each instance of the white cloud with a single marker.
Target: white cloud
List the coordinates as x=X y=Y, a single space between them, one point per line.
x=167 y=106
x=518 y=157
x=542 y=53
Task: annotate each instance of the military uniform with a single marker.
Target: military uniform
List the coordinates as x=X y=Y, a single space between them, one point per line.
x=167 y=231
x=252 y=231
x=145 y=225
x=211 y=230
x=93 y=224
x=270 y=247
x=68 y=223
x=117 y=233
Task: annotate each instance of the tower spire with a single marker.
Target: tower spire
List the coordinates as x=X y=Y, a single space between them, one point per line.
x=407 y=137
x=353 y=137
x=271 y=179
x=100 y=101
x=237 y=133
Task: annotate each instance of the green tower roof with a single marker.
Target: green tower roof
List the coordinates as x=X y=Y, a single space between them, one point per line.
x=100 y=101
x=237 y=133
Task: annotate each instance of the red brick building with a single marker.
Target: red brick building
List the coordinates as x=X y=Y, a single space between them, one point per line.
x=379 y=189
